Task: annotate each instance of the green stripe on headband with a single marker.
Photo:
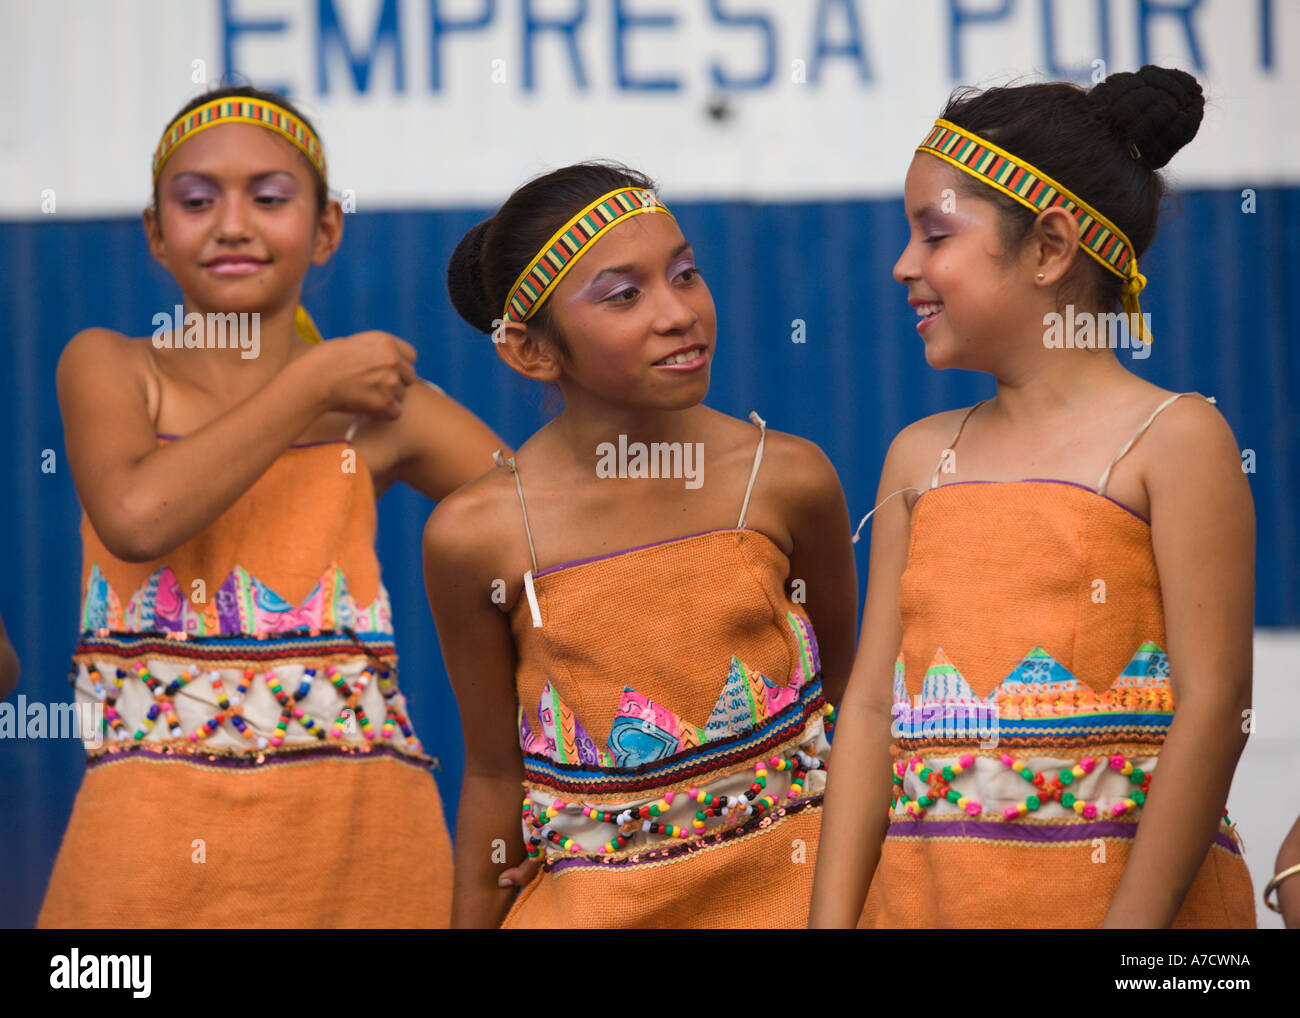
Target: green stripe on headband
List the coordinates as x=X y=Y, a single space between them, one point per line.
x=240 y=110
x=1035 y=190
x=570 y=242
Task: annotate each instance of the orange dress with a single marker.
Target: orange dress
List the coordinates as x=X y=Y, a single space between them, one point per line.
x=254 y=765
x=671 y=723
x=1031 y=698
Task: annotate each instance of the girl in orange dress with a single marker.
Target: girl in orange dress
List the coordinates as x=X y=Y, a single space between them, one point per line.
x=1055 y=667
x=627 y=607
x=256 y=765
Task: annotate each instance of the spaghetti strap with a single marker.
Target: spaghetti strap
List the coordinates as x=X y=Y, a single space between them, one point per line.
x=758 y=458
x=533 y=607
x=509 y=464
x=863 y=522
x=1105 y=478
x=934 y=478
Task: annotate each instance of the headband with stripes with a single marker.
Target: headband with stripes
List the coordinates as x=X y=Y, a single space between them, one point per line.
x=570 y=242
x=243 y=110
x=240 y=110
x=1035 y=190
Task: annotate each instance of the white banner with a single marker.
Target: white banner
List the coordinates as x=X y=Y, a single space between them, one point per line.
x=435 y=103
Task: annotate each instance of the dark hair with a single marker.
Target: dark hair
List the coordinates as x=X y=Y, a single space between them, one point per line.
x=249 y=92
x=1103 y=144
x=490 y=257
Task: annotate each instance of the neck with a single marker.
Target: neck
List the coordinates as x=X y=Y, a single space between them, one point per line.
x=588 y=420
x=231 y=349
x=1048 y=382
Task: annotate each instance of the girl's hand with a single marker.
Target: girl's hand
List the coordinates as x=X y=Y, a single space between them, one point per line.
x=521 y=875
x=365 y=373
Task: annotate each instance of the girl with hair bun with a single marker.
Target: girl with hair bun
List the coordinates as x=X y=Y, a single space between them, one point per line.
x=256 y=765
x=1085 y=566
x=635 y=669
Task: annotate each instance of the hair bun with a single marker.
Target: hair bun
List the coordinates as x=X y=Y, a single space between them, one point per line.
x=1158 y=110
x=465 y=280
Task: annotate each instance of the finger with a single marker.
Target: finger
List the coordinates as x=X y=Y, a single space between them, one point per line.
x=407 y=373
x=518 y=876
x=406 y=350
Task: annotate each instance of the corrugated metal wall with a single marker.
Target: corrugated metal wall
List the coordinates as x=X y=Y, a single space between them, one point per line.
x=1221 y=281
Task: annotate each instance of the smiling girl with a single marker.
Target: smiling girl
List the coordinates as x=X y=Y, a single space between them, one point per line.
x=1085 y=565
x=626 y=651
x=257 y=766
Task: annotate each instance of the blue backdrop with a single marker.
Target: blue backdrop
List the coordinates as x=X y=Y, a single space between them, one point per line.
x=1218 y=299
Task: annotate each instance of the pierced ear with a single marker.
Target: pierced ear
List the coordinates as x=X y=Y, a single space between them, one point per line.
x=1056 y=244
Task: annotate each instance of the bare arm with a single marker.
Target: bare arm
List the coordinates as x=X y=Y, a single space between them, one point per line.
x=144 y=500
x=857 y=790
x=1203 y=533
x=823 y=559
x=478 y=650
x=442 y=444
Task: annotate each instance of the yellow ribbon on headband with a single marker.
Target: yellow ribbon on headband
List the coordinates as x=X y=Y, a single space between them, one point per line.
x=304 y=326
x=570 y=242
x=1017 y=179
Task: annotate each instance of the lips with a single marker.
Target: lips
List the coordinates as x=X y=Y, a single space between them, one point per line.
x=234 y=265
x=928 y=311
x=685 y=355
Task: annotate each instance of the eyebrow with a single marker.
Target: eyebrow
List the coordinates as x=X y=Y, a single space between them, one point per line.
x=613 y=269
x=256 y=178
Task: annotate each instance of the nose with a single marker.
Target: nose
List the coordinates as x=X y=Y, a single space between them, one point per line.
x=907 y=268
x=232 y=218
x=673 y=311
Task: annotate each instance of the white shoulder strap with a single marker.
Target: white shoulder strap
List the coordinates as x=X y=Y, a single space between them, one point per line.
x=1105 y=478
x=758 y=458
x=533 y=607
x=934 y=478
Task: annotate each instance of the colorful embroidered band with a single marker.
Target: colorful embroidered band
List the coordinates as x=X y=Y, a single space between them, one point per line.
x=570 y=242
x=1002 y=171
x=239 y=110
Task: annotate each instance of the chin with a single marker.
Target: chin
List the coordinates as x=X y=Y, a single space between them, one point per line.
x=940 y=355
x=689 y=397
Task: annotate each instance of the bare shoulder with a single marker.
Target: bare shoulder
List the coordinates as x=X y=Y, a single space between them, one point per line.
x=1190 y=436
x=477 y=532
x=801 y=465
x=473 y=516
x=101 y=375
x=916 y=449
x=1191 y=419
x=97 y=350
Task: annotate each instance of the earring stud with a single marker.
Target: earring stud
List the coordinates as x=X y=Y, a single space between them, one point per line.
x=1039 y=276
